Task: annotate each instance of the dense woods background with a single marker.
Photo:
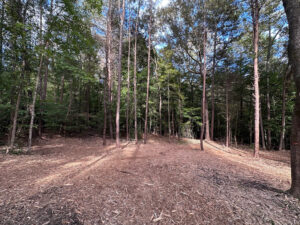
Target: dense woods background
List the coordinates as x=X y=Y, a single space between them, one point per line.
x=60 y=63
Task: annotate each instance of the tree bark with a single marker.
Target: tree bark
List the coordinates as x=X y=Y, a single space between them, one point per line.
x=292 y=9
x=285 y=84
x=204 y=90
x=207 y=133
x=119 y=76
x=169 y=125
x=128 y=82
x=62 y=86
x=262 y=131
x=32 y=107
x=227 y=113
x=148 y=74
x=213 y=88
x=255 y=19
x=15 y=117
x=134 y=74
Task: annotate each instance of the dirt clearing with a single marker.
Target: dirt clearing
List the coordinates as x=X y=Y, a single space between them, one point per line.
x=78 y=181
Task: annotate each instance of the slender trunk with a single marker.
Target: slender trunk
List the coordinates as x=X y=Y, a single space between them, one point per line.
x=213 y=88
x=107 y=81
x=207 y=136
x=104 y=109
x=255 y=18
x=180 y=110
x=269 y=144
x=227 y=113
x=204 y=90
x=109 y=70
x=134 y=74
x=1 y=36
x=69 y=106
x=282 y=133
x=32 y=107
x=160 y=106
x=262 y=131
x=15 y=117
x=122 y=15
x=62 y=86
x=169 y=125
x=128 y=82
x=148 y=75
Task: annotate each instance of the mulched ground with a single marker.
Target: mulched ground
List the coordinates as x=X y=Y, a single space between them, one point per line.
x=78 y=181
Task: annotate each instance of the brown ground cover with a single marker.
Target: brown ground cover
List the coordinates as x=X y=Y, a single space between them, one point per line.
x=78 y=181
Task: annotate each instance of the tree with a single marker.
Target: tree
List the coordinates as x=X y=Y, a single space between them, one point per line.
x=148 y=73
x=122 y=15
x=255 y=8
x=292 y=9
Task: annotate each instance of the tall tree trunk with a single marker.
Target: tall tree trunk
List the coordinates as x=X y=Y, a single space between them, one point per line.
x=213 y=88
x=160 y=106
x=104 y=108
x=207 y=133
x=128 y=81
x=15 y=117
x=109 y=68
x=1 y=35
x=148 y=74
x=32 y=107
x=285 y=84
x=204 y=90
x=69 y=106
x=269 y=142
x=119 y=76
x=263 y=142
x=169 y=122
x=292 y=9
x=227 y=113
x=180 y=108
x=107 y=81
x=255 y=19
x=62 y=86
x=134 y=74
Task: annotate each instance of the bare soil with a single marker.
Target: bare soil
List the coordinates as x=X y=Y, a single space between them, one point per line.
x=78 y=181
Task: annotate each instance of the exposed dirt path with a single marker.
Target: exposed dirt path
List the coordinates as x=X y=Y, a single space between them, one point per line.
x=78 y=181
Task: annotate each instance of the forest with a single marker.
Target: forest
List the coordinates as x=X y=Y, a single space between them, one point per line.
x=99 y=96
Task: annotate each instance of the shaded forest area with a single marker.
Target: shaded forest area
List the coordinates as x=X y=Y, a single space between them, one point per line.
x=214 y=70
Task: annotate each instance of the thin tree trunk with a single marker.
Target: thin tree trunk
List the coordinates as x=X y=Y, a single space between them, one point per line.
x=255 y=18
x=32 y=107
x=119 y=76
x=180 y=108
x=148 y=75
x=104 y=108
x=1 y=35
x=128 y=82
x=160 y=106
x=213 y=88
x=169 y=125
x=282 y=133
x=227 y=113
x=204 y=90
x=207 y=136
x=269 y=144
x=262 y=131
x=62 y=86
x=15 y=117
x=69 y=106
x=134 y=74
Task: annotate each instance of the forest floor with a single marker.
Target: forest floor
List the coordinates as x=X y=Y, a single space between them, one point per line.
x=78 y=181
